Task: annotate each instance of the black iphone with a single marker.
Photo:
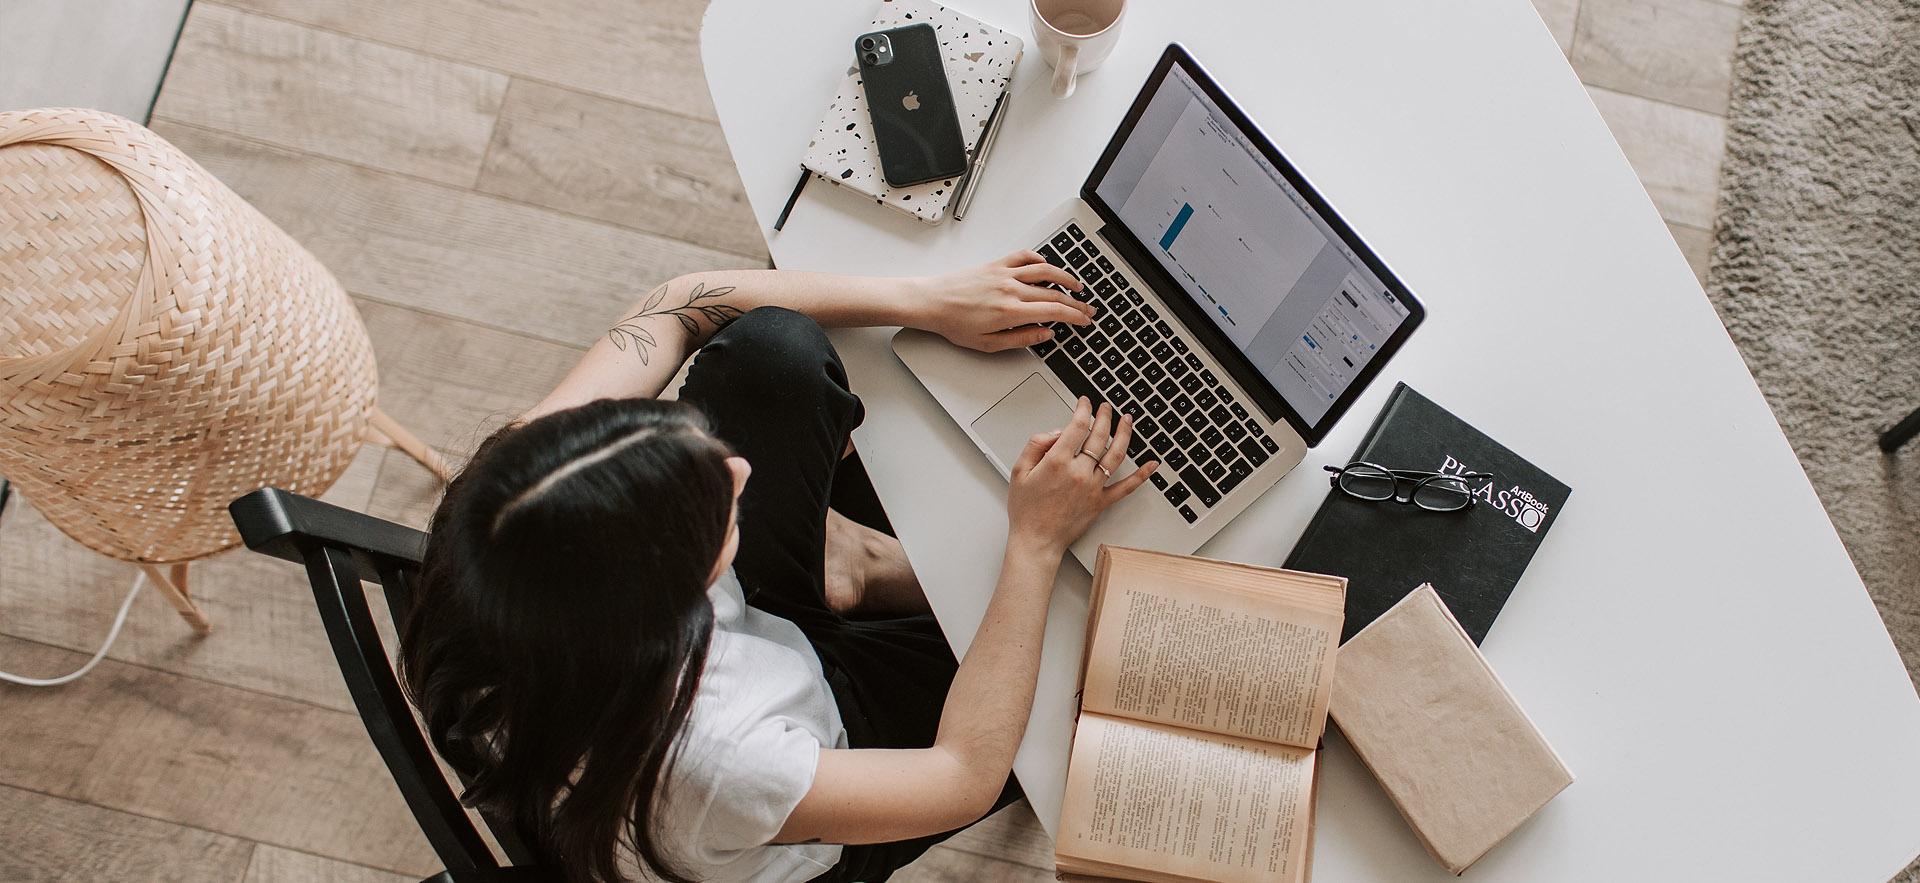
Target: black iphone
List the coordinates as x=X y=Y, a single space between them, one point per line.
x=915 y=127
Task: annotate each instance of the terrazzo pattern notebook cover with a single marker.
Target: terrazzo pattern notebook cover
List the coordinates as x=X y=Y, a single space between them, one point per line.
x=979 y=59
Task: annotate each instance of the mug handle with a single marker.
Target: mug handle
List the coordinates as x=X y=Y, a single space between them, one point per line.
x=1063 y=70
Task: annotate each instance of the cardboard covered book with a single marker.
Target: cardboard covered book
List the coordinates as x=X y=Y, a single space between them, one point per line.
x=1425 y=712
x=1204 y=694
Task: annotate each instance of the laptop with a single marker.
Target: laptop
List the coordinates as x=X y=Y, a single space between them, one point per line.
x=1238 y=318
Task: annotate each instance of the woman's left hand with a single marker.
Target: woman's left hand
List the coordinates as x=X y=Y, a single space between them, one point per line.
x=1000 y=305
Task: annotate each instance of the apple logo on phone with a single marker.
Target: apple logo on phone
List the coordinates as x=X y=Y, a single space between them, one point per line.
x=910 y=101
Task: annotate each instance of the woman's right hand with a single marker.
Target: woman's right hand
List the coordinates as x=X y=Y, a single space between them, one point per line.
x=1057 y=491
x=997 y=306
x=864 y=795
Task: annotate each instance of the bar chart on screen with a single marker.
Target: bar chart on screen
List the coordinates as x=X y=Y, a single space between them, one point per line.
x=1249 y=250
x=1221 y=233
x=1180 y=219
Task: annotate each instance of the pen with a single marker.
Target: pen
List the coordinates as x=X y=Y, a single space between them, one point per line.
x=980 y=162
x=781 y=221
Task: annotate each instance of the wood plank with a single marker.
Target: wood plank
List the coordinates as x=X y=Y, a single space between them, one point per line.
x=350 y=99
x=1676 y=151
x=1678 y=51
x=449 y=251
x=455 y=382
x=272 y=864
x=407 y=493
x=213 y=757
x=944 y=864
x=1696 y=244
x=50 y=840
x=647 y=53
x=622 y=163
x=355 y=486
x=267 y=635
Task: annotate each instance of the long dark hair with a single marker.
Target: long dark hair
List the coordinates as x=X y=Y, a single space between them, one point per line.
x=561 y=621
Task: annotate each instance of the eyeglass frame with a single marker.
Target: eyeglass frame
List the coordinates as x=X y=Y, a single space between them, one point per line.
x=1418 y=477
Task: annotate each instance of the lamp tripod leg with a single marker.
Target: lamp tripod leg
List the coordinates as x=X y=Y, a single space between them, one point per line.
x=406 y=441
x=173 y=583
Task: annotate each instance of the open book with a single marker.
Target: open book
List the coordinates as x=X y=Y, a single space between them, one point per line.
x=1203 y=698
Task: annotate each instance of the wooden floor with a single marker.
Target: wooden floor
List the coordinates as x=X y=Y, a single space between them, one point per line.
x=492 y=180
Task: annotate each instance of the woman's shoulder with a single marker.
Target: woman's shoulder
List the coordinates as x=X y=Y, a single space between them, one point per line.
x=750 y=747
x=760 y=667
x=749 y=734
x=731 y=786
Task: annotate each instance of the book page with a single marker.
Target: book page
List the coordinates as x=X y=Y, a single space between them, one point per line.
x=1226 y=648
x=1151 y=802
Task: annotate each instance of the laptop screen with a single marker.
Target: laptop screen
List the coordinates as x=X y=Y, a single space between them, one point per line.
x=1203 y=199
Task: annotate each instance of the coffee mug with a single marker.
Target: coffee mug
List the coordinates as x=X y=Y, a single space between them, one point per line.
x=1075 y=36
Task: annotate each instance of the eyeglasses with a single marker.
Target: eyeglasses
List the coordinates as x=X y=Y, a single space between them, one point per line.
x=1432 y=491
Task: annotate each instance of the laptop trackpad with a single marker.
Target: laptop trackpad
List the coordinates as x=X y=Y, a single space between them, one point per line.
x=1032 y=408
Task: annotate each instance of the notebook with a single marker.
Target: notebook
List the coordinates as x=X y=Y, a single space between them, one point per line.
x=1473 y=557
x=979 y=58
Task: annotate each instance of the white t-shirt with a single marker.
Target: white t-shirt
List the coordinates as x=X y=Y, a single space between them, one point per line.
x=760 y=716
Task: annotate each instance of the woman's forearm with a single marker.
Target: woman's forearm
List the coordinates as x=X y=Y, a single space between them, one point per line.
x=869 y=795
x=873 y=795
x=985 y=715
x=831 y=299
x=993 y=307
x=641 y=351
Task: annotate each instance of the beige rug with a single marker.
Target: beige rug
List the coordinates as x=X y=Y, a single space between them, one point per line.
x=1816 y=265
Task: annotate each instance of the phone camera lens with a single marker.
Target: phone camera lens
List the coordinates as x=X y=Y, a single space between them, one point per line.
x=873 y=58
x=866 y=43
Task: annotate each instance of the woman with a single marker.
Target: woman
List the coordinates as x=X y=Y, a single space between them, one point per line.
x=674 y=640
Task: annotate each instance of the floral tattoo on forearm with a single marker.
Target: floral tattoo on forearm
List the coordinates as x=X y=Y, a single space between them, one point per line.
x=630 y=334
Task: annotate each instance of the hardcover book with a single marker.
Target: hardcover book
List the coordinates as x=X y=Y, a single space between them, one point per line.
x=1204 y=694
x=1451 y=747
x=1474 y=557
x=979 y=59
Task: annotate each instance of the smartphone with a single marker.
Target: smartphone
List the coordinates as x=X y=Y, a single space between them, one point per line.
x=915 y=127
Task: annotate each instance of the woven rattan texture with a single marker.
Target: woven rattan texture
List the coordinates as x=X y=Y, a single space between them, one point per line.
x=164 y=348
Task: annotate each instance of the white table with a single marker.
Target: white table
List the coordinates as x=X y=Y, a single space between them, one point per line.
x=1692 y=637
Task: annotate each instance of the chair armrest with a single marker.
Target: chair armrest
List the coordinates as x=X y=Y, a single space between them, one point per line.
x=285 y=525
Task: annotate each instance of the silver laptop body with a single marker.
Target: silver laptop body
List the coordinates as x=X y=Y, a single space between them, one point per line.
x=1237 y=318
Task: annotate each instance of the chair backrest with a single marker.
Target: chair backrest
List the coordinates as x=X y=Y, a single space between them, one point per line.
x=341 y=548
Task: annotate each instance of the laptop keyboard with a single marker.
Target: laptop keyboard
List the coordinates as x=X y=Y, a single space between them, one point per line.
x=1183 y=416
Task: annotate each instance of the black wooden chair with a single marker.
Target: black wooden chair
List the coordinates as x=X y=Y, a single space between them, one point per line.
x=340 y=548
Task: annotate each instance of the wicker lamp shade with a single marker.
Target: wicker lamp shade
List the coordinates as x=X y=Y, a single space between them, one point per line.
x=164 y=348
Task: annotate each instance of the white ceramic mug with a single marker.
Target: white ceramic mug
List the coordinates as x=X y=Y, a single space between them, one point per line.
x=1075 y=36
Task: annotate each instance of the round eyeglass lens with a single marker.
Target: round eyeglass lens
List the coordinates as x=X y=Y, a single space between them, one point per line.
x=1367 y=482
x=1443 y=494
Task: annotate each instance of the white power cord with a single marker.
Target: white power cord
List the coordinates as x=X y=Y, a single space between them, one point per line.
x=119 y=619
